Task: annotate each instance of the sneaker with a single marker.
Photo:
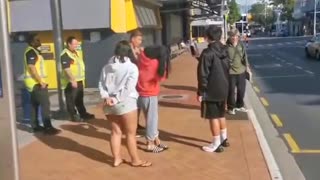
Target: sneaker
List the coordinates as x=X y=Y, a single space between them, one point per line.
x=38 y=129
x=87 y=116
x=51 y=131
x=211 y=148
x=225 y=143
x=232 y=111
x=242 y=109
x=76 y=118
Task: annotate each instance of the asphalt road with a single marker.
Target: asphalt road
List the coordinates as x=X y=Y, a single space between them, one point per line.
x=288 y=85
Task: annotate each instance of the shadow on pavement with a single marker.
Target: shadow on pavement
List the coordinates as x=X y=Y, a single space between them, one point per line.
x=179 y=87
x=63 y=143
x=88 y=130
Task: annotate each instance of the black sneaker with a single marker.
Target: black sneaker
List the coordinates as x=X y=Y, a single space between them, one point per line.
x=76 y=118
x=38 y=129
x=87 y=116
x=52 y=131
x=225 y=143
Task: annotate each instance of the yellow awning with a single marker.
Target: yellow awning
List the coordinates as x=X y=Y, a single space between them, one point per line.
x=123 y=16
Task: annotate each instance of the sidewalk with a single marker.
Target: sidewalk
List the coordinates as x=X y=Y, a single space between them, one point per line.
x=82 y=151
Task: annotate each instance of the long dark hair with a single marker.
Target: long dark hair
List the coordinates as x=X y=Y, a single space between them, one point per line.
x=122 y=50
x=162 y=54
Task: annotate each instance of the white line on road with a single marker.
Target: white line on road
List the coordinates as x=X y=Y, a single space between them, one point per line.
x=309 y=72
x=290 y=64
x=269 y=45
x=299 y=67
x=285 y=76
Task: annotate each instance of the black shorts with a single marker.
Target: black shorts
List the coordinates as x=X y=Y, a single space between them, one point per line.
x=213 y=110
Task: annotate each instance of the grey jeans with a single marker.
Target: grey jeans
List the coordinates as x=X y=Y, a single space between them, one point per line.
x=149 y=107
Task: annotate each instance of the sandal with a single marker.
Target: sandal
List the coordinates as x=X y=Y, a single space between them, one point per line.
x=155 y=149
x=163 y=146
x=142 y=164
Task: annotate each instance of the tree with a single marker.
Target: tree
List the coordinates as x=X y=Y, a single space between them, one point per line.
x=288 y=8
x=234 y=12
x=262 y=14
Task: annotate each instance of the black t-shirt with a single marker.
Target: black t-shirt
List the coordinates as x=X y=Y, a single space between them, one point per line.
x=31 y=57
x=66 y=61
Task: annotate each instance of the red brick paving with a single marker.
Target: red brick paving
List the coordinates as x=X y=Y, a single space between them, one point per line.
x=82 y=151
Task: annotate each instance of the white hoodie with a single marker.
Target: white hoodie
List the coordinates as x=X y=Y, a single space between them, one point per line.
x=118 y=80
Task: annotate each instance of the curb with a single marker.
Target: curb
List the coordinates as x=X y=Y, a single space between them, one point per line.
x=266 y=150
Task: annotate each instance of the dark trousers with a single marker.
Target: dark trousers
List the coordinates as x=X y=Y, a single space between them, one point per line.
x=74 y=99
x=40 y=97
x=236 y=82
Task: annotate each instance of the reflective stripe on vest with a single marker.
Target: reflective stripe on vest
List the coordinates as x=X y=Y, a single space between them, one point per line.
x=79 y=63
x=41 y=61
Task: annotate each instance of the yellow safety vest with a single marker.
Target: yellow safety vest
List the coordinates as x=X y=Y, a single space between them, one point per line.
x=77 y=68
x=29 y=81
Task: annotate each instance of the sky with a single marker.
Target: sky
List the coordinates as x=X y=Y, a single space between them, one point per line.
x=243 y=4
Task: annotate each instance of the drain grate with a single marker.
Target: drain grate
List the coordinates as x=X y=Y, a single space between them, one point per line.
x=173 y=97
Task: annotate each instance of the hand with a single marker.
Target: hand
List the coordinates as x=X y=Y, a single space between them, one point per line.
x=110 y=102
x=43 y=85
x=199 y=98
x=74 y=84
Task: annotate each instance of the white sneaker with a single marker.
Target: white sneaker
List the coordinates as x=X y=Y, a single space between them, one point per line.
x=242 y=109
x=208 y=148
x=211 y=148
x=232 y=111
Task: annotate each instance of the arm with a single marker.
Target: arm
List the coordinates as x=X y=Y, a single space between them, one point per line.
x=245 y=56
x=204 y=67
x=65 y=62
x=31 y=58
x=129 y=86
x=102 y=85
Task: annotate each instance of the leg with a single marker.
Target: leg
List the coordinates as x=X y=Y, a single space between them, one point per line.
x=129 y=122
x=231 y=95
x=79 y=100
x=115 y=142
x=214 y=127
x=241 y=89
x=150 y=105
x=45 y=107
x=34 y=108
x=70 y=96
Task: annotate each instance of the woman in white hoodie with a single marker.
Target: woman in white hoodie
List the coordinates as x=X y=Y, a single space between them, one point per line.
x=118 y=90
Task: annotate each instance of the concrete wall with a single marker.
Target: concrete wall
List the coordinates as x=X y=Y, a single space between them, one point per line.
x=172 y=28
x=35 y=15
x=96 y=54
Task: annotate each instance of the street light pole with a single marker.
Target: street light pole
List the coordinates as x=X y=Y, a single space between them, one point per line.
x=315 y=18
x=58 y=44
x=9 y=163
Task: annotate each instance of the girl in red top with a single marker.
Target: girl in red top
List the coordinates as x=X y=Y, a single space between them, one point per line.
x=153 y=68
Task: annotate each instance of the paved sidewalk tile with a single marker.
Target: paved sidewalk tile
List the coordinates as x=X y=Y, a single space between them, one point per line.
x=82 y=151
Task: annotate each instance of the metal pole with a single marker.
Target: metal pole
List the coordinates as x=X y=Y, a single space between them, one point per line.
x=265 y=14
x=315 y=18
x=58 y=45
x=9 y=163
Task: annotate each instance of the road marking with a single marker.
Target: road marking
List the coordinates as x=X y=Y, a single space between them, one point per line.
x=256 y=89
x=280 y=44
x=292 y=143
x=310 y=151
x=277 y=121
x=264 y=101
x=285 y=76
x=299 y=67
x=309 y=72
x=288 y=43
x=290 y=64
x=269 y=45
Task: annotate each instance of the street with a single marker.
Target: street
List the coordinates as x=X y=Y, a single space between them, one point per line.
x=287 y=84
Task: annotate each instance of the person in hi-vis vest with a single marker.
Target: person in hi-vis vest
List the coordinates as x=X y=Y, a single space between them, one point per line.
x=72 y=81
x=35 y=80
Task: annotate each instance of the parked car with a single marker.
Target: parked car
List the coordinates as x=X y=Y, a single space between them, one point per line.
x=312 y=48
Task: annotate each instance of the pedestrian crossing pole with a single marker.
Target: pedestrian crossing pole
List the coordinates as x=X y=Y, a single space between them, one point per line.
x=9 y=166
